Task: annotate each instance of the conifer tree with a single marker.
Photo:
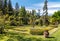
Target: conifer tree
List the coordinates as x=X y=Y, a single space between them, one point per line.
x=10 y=9
x=33 y=18
x=5 y=9
x=0 y=4
x=1 y=7
x=17 y=9
x=45 y=13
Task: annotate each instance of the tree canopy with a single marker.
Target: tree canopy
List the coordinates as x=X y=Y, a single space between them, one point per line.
x=56 y=15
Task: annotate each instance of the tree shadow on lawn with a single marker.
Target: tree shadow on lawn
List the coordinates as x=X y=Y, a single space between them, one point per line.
x=50 y=37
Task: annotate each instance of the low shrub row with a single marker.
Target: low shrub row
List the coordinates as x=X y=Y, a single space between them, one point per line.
x=39 y=31
x=36 y=31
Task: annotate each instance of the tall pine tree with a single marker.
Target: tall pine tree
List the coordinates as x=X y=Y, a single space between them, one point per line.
x=0 y=4
x=33 y=18
x=22 y=15
x=22 y=12
x=5 y=9
x=16 y=9
x=45 y=13
x=10 y=9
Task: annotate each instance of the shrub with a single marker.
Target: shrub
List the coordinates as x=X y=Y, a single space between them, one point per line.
x=39 y=31
x=10 y=40
x=36 y=31
x=2 y=30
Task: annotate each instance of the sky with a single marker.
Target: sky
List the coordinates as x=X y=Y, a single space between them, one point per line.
x=53 y=5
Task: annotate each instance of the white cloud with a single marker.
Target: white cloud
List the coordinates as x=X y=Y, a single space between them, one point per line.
x=28 y=9
x=50 y=12
x=52 y=7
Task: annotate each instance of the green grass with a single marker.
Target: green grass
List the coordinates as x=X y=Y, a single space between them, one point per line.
x=25 y=29
x=13 y=36
x=57 y=34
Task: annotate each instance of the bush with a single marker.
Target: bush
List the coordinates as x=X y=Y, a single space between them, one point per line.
x=36 y=31
x=2 y=30
x=10 y=40
x=39 y=31
x=9 y=27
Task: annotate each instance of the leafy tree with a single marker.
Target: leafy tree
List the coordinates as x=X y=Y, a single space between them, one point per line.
x=56 y=16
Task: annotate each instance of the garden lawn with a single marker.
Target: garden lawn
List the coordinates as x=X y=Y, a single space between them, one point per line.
x=11 y=31
x=57 y=34
x=26 y=29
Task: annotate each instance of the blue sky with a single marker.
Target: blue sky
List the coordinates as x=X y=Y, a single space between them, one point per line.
x=53 y=5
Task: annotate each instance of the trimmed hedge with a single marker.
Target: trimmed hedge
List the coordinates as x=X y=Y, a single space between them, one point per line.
x=36 y=31
x=39 y=31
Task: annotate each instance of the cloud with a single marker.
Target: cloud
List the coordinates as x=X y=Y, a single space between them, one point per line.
x=50 y=4
x=52 y=7
x=28 y=9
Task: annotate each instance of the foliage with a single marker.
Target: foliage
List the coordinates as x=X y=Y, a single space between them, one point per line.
x=45 y=14
x=39 y=31
x=22 y=12
x=18 y=16
x=5 y=9
x=56 y=16
x=10 y=40
x=2 y=30
x=16 y=10
x=36 y=31
x=10 y=9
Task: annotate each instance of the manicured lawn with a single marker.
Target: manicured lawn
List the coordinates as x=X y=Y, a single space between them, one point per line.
x=13 y=34
x=26 y=29
x=57 y=34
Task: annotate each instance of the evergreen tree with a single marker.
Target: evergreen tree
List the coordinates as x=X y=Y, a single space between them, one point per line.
x=33 y=18
x=45 y=13
x=22 y=11
x=38 y=14
x=5 y=9
x=17 y=6
x=1 y=6
x=10 y=9
x=17 y=9
x=23 y=16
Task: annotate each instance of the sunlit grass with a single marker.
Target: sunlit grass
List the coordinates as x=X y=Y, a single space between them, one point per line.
x=25 y=30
